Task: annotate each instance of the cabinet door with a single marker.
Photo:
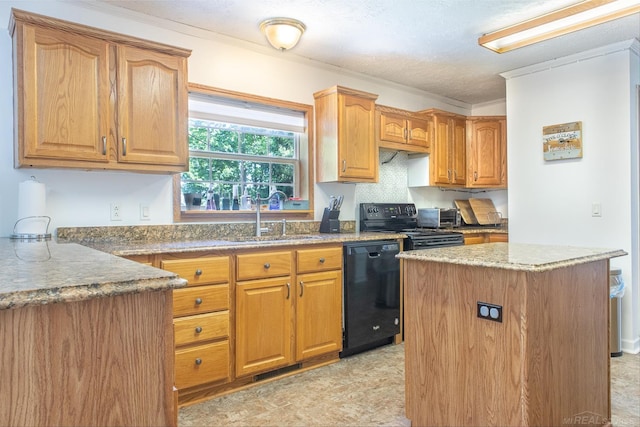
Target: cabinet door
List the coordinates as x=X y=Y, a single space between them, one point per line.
x=392 y=128
x=319 y=314
x=459 y=151
x=152 y=108
x=440 y=152
x=263 y=325
x=419 y=132
x=487 y=156
x=357 y=151
x=62 y=96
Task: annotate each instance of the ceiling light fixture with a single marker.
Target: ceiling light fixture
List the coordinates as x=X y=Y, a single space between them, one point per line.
x=563 y=21
x=282 y=33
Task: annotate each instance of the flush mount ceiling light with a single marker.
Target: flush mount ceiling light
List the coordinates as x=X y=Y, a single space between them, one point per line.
x=572 y=18
x=282 y=33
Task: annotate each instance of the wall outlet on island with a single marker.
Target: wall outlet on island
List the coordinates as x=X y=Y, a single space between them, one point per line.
x=116 y=212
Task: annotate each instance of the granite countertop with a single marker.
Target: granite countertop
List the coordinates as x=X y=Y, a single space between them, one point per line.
x=130 y=248
x=36 y=273
x=513 y=256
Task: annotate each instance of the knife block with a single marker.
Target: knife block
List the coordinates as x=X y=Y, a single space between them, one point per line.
x=330 y=222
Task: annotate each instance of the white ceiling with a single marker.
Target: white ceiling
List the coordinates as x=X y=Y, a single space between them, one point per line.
x=425 y=44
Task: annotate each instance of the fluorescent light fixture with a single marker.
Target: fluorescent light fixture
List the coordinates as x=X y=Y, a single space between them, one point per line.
x=572 y=18
x=282 y=33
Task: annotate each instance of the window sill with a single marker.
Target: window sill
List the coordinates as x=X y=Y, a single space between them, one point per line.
x=241 y=216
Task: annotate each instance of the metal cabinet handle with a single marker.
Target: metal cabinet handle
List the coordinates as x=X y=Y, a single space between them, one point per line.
x=448 y=174
x=198 y=272
x=104 y=145
x=198 y=301
x=407 y=133
x=267 y=265
x=475 y=176
x=301 y=288
x=344 y=166
x=321 y=260
x=288 y=290
x=124 y=146
x=198 y=329
x=198 y=361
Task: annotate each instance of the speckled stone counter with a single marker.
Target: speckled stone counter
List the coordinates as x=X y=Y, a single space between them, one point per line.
x=37 y=273
x=514 y=256
x=515 y=334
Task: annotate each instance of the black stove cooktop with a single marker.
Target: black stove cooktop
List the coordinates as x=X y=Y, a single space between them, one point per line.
x=402 y=218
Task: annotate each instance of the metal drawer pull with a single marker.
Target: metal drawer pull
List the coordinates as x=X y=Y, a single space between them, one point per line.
x=198 y=301
x=198 y=272
x=124 y=146
x=104 y=145
x=301 y=287
x=344 y=166
x=288 y=290
x=198 y=361
x=267 y=265
x=321 y=260
x=198 y=329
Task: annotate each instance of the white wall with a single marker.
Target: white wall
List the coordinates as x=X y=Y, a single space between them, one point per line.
x=550 y=202
x=80 y=198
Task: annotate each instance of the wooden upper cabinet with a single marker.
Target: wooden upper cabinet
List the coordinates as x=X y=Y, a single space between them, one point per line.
x=448 y=157
x=403 y=130
x=64 y=109
x=152 y=101
x=92 y=99
x=487 y=158
x=346 y=146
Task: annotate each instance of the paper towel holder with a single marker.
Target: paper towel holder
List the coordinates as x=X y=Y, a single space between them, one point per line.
x=32 y=236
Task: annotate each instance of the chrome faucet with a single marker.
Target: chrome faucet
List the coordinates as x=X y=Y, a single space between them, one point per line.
x=259 y=229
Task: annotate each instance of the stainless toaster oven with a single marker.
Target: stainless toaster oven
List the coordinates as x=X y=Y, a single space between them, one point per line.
x=438 y=217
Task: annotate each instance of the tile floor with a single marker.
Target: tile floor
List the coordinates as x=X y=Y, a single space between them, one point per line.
x=363 y=390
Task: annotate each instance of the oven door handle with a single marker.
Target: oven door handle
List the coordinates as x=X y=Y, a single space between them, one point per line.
x=374 y=254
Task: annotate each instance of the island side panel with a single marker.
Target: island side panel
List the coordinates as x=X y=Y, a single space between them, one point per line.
x=568 y=345
x=460 y=369
x=104 y=361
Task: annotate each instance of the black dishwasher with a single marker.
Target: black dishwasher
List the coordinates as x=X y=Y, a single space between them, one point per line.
x=371 y=295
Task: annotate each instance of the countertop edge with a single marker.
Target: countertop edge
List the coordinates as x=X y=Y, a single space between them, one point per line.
x=66 y=294
x=475 y=262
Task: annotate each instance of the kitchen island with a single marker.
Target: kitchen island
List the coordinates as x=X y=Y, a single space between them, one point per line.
x=507 y=334
x=86 y=338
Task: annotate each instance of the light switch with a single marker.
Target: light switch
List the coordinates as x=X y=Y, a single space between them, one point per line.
x=144 y=212
x=596 y=209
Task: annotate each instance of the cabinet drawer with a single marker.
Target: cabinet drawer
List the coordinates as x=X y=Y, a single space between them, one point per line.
x=201 y=299
x=199 y=271
x=202 y=364
x=201 y=328
x=263 y=264
x=310 y=260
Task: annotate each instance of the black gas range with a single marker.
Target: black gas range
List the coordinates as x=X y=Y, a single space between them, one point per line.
x=402 y=218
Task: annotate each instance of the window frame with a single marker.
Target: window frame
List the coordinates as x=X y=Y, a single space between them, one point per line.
x=306 y=166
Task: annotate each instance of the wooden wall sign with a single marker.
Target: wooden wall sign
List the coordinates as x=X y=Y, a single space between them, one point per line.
x=563 y=141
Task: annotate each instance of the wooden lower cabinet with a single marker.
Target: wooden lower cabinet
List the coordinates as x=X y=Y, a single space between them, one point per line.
x=202 y=364
x=319 y=299
x=263 y=325
x=476 y=238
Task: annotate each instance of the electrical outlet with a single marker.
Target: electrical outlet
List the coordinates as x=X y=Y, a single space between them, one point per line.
x=490 y=311
x=116 y=212
x=596 y=209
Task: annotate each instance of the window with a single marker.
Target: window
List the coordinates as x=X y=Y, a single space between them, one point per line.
x=243 y=145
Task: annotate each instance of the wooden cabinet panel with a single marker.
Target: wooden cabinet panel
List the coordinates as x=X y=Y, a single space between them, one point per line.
x=403 y=130
x=319 y=314
x=345 y=136
x=263 y=325
x=263 y=264
x=419 y=132
x=393 y=128
x=200 y=299
x=310 y=260
x=152 y=101
x=487 y=161
x=202 y=364
x=199 y=271
x=458 y=153
x=54 y=95
x=200 y=328
x=498 y=237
